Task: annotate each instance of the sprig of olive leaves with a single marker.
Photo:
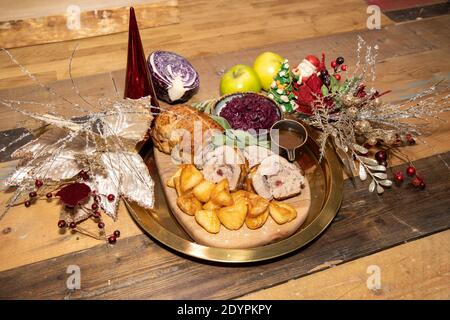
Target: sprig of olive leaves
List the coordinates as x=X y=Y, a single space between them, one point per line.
x=370 y=167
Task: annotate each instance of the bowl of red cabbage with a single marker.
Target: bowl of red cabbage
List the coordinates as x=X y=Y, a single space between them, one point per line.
x=248 y=111
x=175 y=80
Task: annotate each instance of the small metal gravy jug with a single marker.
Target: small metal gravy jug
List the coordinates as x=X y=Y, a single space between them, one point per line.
x=288 y=135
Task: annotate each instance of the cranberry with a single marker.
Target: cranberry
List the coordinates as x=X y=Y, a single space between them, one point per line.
x=111 y=197
x=62 y=223
x=38 y=183
x=94 y=206
x=117 y=233
x=399 y=177
x=112 y=239
x=101 y=225
x=72 y=225
x=32 y=194
x=410 y=171
x=27 y=203
x=381 y=156
x=49 y=195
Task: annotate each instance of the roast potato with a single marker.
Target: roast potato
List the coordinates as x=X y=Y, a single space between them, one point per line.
x=256 y=205
x=203 y=190
x=220 y=194
x=233 y=217
x=190 y=177
x=238 y=195
x=189 y=204
x=282 y=212
x=208 y=220
x=177 y=184
x=211 y=205
x=258 y=221
x=170 y=182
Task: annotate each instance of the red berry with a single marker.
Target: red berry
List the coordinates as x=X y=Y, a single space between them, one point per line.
x=62 y=223
x=72 y=225
x=94 y=206
x=339 y=60
x=344 y=67
x=112 y=239
x=333 y=64
x=381 y=156
x=117 y=233
x=111 y=197
x=422 y=185
x=410 y=171
x=399 y=177
x=337 y=76
x=410 y=139
x=83 y=175
x=49 y=195
x=27 y=203
x=416 y=182
x=101 y=225
x=32 y=194
x=38 y=183
x=97 y=214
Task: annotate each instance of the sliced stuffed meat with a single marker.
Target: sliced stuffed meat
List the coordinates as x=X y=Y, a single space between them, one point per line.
x=277 y=178
x=225 y=162
x=256 y=154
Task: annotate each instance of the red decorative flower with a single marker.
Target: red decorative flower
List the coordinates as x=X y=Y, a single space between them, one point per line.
x=74 y=193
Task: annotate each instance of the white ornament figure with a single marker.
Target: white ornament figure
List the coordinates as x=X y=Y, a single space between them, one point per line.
x=306 y=68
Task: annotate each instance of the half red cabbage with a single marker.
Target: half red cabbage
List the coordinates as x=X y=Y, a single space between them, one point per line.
x=174 y=78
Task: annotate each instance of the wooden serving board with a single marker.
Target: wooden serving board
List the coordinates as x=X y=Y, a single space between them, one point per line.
x=244 y=237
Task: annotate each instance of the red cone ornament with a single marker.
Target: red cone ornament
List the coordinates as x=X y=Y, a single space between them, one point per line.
x=138 y=82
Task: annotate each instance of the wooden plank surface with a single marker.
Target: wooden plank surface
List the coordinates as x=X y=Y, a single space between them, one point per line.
x=78 y=22
x=401 y=48
x=365 y=224
x=408 y=271
x=203 y=30
x=397 y=57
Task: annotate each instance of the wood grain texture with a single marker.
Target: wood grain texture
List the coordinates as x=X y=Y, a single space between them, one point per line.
x=108 y=20
x=244 y=237
x=400 y=69
x=365 y=224
x=415 y=270
x=206 y=28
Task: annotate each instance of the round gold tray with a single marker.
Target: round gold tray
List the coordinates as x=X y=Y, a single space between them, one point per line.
x=326 y=183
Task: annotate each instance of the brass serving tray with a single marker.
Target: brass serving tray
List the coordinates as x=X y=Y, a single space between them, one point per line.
x=326 y=183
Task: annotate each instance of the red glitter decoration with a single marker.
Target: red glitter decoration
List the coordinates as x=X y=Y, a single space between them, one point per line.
x=138 y=83
x=74 y=193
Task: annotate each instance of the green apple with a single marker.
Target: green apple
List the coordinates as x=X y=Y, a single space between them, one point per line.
x=267 y=65
x=239 y=78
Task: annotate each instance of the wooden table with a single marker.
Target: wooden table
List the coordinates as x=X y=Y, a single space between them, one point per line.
x=404 y=232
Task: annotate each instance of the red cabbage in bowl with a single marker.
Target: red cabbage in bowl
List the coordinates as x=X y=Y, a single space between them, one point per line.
x=250 y=111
